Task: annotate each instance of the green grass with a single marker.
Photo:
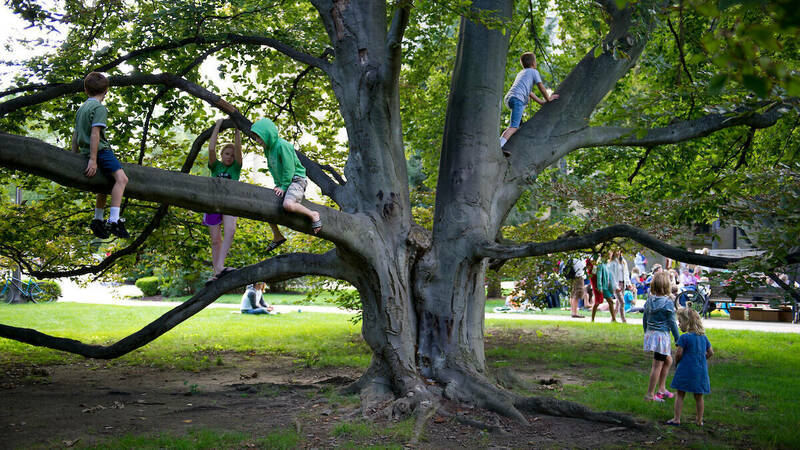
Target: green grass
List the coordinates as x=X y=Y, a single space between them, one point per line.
x=753 y=375
x=491 y=304
x=202 y=439
x=322 y=299
x=313 y=339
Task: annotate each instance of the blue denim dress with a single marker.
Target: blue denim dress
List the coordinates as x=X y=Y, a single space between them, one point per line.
x=691 y=375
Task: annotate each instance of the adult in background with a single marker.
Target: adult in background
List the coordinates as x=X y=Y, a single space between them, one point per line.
x=617 y=276
x=253 y=300
x=640 y=261
x=576 y=288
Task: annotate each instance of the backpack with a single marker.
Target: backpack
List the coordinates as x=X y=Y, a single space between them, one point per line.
x=568 y=269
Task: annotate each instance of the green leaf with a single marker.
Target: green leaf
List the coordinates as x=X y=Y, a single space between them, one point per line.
x=717 y=83
x=759 y=86
x=598 y=51
x=622 y=3
x=793 y=86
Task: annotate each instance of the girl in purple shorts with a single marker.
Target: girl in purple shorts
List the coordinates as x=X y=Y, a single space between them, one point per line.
x=222 y=227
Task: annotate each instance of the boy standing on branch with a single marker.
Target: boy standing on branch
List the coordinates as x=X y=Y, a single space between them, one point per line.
x=90 y=139
x=521 y=90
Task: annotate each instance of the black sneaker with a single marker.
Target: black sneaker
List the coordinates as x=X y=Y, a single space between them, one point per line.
x=99 y=229
x=118 y=228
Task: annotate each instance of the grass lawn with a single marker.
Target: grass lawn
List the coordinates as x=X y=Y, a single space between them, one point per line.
x=753 y=374
x=323 y=299
x=315 y=339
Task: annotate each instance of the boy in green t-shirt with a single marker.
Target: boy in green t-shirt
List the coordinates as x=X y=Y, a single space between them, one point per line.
x=287 y=171
x=90 y=139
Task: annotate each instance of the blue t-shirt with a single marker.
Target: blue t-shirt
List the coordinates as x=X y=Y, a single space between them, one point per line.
x=628 y=297
x=523 y=84
x=691 y=375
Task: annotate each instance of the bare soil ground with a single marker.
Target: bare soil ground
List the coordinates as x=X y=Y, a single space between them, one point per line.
x=92 y=401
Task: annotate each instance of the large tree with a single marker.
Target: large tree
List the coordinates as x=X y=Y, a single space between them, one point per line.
x=421 y=288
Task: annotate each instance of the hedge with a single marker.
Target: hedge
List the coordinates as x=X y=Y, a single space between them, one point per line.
x=148 y=285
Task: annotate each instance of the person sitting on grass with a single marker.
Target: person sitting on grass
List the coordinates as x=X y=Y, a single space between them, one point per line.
x=253 y=300
x=691 y=374
x=288 y=173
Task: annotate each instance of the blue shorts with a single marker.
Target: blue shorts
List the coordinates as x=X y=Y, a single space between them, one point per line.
x=517 y=108
x=107 y=162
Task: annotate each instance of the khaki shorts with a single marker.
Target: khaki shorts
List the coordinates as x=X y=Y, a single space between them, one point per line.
x=296 y=191
x=577 y=288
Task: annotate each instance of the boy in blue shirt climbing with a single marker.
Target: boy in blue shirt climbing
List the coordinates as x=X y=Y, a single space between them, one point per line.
x=287 y=171
x=522 y=89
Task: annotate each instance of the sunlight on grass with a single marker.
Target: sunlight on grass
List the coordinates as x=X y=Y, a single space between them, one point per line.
x=753 y=374
x=754 y=388
x=318 y=340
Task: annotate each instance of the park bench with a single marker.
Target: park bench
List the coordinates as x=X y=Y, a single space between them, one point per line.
x=759 y=296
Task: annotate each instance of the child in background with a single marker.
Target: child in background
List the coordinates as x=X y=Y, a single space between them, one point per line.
x=691 y=375
x=658 y=322
x=90 y=139
x=228 y=166
x=520 y=91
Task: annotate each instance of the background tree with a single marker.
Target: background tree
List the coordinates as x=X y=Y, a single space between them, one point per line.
x=421 y=81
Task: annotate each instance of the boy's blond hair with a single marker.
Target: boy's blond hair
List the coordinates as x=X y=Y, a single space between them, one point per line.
x=528 y=59
x=227 y=145
x=660 y=285
x=690 y=321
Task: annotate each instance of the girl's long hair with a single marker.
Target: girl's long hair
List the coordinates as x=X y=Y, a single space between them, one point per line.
x=690 y=320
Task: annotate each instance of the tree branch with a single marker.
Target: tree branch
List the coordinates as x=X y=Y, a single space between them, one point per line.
x=504 y=252
x=224 y=39
x=187 y=191
x=279 y=268
x=679 y=131
x=394 y=39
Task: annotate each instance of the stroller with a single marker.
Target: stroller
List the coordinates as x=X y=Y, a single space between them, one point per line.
x=698 y=295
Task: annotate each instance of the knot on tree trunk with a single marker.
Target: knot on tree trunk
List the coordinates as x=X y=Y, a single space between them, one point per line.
x=419 y=238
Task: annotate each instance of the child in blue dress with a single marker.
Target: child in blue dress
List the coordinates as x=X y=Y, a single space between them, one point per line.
x=691 y=375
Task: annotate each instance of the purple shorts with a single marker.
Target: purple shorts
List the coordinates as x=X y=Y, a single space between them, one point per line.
x=211 y=219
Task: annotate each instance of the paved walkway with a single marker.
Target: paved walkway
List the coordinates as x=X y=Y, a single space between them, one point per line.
x=117 y=295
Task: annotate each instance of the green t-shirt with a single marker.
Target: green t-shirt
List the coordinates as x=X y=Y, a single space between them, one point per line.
x=91 y=114
x=220 y=170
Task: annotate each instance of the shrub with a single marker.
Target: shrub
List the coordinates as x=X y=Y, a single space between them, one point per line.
x=52 y=291
x=148 y=285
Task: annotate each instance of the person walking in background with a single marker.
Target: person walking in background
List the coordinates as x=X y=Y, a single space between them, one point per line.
x=604 y=288
x=658 y=321
x=576 y=287
x=691 y=374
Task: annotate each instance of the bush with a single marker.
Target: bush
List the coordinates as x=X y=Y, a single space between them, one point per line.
x=52 y=291
x=148 y=285
x=180 y=282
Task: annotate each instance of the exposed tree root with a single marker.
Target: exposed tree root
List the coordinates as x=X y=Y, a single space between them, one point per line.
x=426 y=410
x=475 y=423
x=563 y=408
